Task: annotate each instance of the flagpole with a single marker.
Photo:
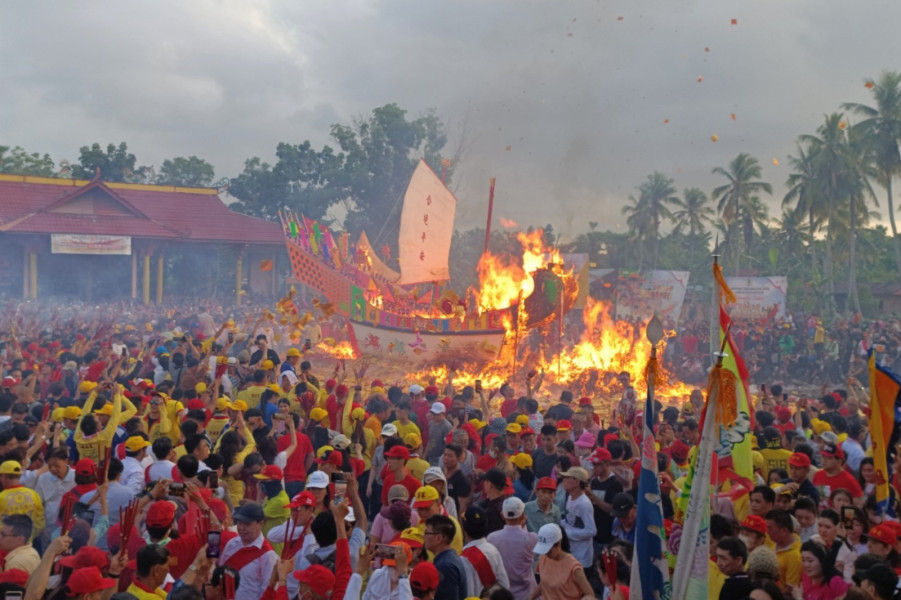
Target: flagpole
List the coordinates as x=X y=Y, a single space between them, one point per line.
x=715 y=303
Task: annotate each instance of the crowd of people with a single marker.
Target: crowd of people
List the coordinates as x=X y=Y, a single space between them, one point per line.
x=186 y=457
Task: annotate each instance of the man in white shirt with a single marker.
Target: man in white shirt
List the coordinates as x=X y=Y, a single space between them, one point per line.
x=132 y=470
x=578 y=522
x=53 y=485
x=515 y=544
x=481 y=560
x=249 y=553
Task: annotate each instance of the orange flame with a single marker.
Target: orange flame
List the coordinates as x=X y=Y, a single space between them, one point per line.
x=502 y=280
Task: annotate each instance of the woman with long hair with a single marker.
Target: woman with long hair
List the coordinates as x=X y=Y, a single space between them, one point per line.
x=819 y=579
x=840 y=552
x=562 y=576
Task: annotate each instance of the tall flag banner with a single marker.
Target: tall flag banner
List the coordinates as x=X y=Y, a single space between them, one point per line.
x=693 y=561
x=884 y=387
x=312 y=234
x=650 y=571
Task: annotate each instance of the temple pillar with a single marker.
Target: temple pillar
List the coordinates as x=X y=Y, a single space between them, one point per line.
x=159 y=278
x=146 y=291
x=134 y=275
x=239 y=276
x=33 y=273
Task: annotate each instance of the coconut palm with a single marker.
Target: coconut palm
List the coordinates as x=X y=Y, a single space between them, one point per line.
x=881 y=126
x=734 y=199
x=802 y=192
x=656 y=196
x=639 y=224
x=693 y=212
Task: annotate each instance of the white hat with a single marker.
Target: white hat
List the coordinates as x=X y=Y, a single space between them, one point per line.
x=438 y=408
x=548 y=535
x=232 y=360
x=389 y=429
x=317 y=479
x=349 y=517
x=340 y=442
x=512 y=508
x=433 y=473
x=416 y=389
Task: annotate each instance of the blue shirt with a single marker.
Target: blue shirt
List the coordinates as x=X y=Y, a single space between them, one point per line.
x=453 y=577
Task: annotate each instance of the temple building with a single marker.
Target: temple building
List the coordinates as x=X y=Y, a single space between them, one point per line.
x=93 y=240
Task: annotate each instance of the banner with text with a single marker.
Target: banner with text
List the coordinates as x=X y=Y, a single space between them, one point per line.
x=74 y=243
x=639 y=295
x=759 y=298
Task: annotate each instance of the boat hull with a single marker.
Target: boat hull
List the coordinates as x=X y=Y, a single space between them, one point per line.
x=423 y=346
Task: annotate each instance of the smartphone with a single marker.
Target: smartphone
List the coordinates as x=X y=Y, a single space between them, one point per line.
x=231 y=337
x=213 y=481
x=478 y=385
x=848 y=516
x=340 y=487
x=307 y=344
x=384 y=551
x=213 y=544
x=176 y=489
x=10 y=595
x=87 y=515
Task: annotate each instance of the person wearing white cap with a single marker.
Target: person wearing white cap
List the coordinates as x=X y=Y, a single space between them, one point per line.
x=578 y=518
x=439 y=427
x=515 y=544
x=562 y=576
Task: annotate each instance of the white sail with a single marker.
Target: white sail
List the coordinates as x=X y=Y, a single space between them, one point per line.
x=426 y=228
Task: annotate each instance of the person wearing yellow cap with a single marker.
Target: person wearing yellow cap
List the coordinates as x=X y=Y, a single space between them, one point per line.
x=15 y=499
x=416 y=465
x=427 y=502
x=95 y=432
x=219 y=420
x=71 y=414
x=157 y=421
x=132 y=470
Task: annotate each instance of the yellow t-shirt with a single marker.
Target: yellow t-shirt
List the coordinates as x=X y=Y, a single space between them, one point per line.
x=774 y=458
x=789 y=563
x=215 y=426
x=20 y=500
x=252 y=395
x=403 y=430
x=457 y=543
x=142 y=594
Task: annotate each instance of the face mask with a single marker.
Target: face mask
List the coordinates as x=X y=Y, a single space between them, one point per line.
x=748 y=540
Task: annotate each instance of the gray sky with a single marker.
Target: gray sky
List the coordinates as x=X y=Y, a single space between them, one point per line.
x=578 y=95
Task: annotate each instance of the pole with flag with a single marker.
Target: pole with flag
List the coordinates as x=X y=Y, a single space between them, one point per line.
x=884 y=387
x=650 y=572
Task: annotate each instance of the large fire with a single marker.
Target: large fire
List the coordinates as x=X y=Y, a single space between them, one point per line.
x=504 y=281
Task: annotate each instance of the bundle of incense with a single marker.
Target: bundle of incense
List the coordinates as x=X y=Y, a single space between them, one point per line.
x=68 y=506
x=609 y=558
x=104 y=465
x=291 y=547
x=202 y=526
x=127 y=518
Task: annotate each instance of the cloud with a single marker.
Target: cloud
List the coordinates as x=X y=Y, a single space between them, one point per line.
x=579 y=96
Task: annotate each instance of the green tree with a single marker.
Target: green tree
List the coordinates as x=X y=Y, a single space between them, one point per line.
x=693 y=212
x=187 y=172
x=881 y=130
x=116 y=164
x=256 y=190
x=803 y=193
x=656 y=195
x=737 y=202
x=20 y=162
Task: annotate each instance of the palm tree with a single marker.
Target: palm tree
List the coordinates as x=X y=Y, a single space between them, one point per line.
x=882 y=129
x=734 y=199
x=657 y=194
x=802 y=192
x=841 y=167
x=694 y=212
x=638 y=223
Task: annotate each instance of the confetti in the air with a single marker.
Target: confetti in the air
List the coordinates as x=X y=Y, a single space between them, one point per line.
x=619 y=18
x=868 y=85
x=706 y=49
x=700 y=78
x=733 y=116
x=776 y=161
x=842 y=125
x=508 y=148
x=735 y=21
x=665 y=121
x=714 y=138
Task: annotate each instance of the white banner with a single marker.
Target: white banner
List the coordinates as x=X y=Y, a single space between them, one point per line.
x=759 y=298
x=426 y=228
x=74 y=243
x=641 y=295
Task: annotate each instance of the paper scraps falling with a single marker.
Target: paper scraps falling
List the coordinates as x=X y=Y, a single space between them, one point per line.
x=735 y=21
x=508 y=148
x=776 y=161
x=700 y=78
x=714 y=138
x=868 y=85
x=733 y=116
x=842 y=125
x=706 y=49
x=665 y=121
x=619 y=18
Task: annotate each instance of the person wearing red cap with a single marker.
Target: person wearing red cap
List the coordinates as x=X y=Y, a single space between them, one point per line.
x=799 y=477
x=275 y=506
x=752 y=531
x=397 y=458
x=160 y=523
x=604 y=486
x=542 y=510
x=302 y=507
x=834 y=476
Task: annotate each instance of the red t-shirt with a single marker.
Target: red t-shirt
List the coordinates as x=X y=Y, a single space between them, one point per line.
x=508 y=407
x=411 y=483
x=486 y=463
x=689 y=344
x=294 y=469
x=828 y=484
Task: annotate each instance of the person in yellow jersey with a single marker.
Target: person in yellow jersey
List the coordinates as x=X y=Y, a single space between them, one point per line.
x=92 y=435
x=71 y=414
x=220 y=419
x=416 y=465
x=156 y=420
x=152 y=570
x=251 y=394
x=403 y=423
x=15 y=499
x=427 y=502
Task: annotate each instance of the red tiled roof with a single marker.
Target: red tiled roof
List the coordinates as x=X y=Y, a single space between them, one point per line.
x=29 y=205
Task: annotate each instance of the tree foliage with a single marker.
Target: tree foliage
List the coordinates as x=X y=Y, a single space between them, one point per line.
x=20 y=162
x=186 y=172
x=115 y=164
